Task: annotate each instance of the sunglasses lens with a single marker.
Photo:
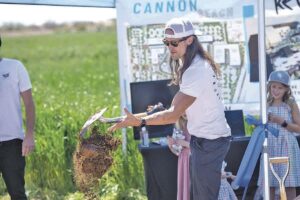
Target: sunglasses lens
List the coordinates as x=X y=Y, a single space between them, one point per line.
x=166 y=42
x=173 y=43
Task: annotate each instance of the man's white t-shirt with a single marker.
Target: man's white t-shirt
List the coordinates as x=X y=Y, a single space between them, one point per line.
x=206 y=117
x=14 y=79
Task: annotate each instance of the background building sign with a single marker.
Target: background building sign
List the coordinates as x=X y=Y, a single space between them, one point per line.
x=227 y=31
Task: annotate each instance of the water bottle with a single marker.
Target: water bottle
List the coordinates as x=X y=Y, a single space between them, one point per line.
x=175 y=132
x=144 y=137
x=177 y=135
x=141 y=137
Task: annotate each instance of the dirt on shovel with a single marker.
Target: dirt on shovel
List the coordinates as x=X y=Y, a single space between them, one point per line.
x=92 y=159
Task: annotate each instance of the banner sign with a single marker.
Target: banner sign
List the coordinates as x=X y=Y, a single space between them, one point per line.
x=83 y=3
x=227 y=29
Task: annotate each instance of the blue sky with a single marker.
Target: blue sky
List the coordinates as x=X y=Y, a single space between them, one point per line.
x=32 y=14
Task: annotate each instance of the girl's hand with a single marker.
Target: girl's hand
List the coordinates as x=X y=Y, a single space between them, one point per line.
x=180 y=142
x=232 y=177
x=275 y=119
x=183 y=143
x=171 y=141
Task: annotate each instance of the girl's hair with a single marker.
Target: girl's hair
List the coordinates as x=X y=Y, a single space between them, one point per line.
x=192 y=50
x=287 y=97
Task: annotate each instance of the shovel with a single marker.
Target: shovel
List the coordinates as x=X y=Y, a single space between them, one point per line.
x=98 y=116
x=280 y=160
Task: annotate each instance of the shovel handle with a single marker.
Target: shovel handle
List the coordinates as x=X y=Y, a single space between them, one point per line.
x=282 y=192
x=111 y=120
x=278 y=160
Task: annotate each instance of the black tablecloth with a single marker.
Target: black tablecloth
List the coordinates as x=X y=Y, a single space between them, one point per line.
x=160 y=166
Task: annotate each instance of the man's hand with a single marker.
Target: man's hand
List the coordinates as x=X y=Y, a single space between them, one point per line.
x=28 y=144
x=129 y=120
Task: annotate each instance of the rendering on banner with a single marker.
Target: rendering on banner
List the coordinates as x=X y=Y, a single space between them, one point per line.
x=228 y=32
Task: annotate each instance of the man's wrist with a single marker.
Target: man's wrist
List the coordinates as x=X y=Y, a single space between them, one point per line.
x=143 y=122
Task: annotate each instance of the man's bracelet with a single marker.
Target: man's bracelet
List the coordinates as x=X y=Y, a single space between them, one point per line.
x=143 y=123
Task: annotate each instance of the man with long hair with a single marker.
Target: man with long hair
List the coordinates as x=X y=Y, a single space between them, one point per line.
x=200 y=98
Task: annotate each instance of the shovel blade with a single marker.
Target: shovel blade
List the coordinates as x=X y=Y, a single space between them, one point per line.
x=91 y=120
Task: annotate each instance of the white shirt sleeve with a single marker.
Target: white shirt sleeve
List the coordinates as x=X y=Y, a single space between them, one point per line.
x=193 y=81
x=24 y=80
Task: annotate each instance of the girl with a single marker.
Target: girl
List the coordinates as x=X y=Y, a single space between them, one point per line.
x=183 y=176
x=226 y=192
x=283 y=115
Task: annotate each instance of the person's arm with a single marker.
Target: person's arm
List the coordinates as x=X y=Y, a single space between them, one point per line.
x=150 y=110
x=293 y=126
x=28 y=142
x=180 y=103
x=140 y=115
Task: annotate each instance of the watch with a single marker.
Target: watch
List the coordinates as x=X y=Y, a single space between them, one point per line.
x=143 y=123
x=284 y=124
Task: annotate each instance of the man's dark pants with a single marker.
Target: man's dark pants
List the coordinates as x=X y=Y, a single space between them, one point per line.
x=12 y=167
x=205 y=166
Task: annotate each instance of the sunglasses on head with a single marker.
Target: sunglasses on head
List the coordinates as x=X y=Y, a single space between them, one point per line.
x=174 y=43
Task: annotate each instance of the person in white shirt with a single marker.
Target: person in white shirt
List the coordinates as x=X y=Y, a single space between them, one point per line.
x=200 y=98
x=14 y=143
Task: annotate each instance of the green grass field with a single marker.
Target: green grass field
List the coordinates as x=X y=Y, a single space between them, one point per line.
x=73 y=76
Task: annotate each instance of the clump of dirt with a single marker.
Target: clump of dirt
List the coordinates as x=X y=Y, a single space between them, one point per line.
x=93 y=158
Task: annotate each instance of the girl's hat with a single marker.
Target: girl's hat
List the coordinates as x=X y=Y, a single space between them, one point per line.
x=281 y=77
x=181 y=27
